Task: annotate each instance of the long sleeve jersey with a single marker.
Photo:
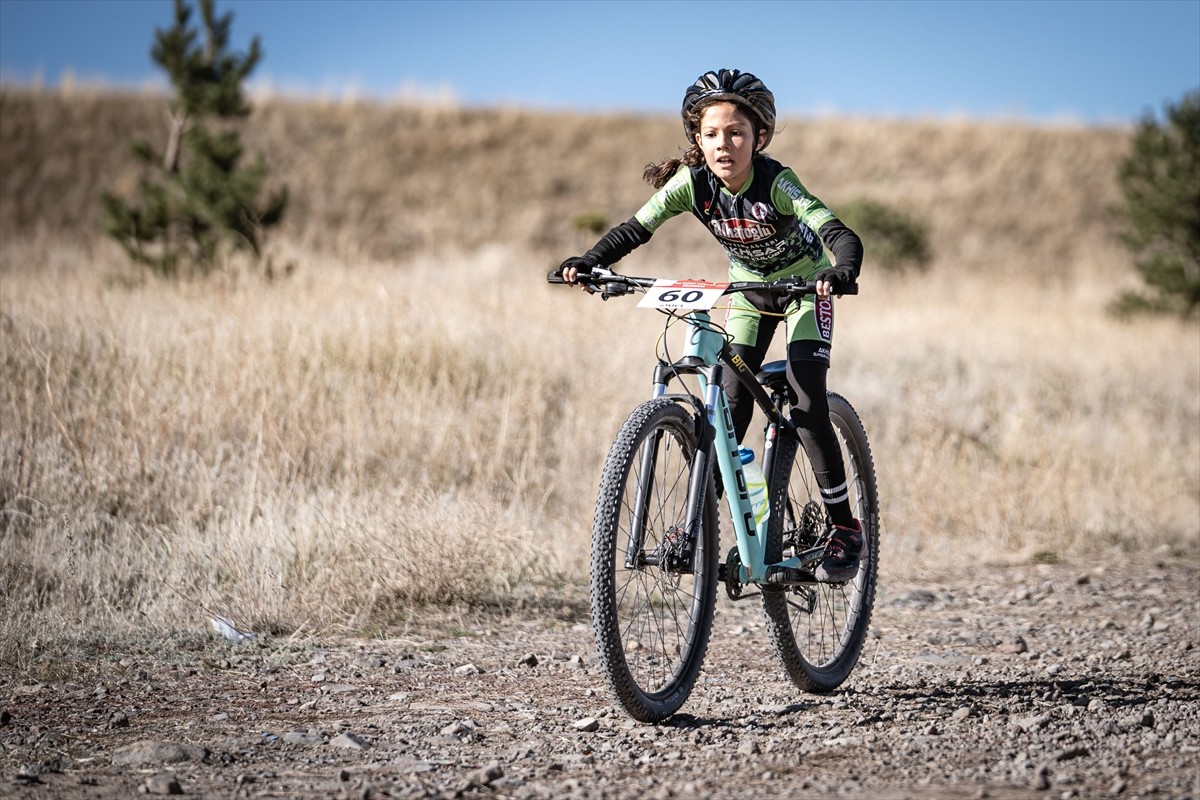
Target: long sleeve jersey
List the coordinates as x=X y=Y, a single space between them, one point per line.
x=773 y=227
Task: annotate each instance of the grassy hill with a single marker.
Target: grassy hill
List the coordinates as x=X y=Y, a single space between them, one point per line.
x=393 y=182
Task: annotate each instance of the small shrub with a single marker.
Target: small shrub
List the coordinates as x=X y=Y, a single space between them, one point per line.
x=591 y=222
x=892 y=239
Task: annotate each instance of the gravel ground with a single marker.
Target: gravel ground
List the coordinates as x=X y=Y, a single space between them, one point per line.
x=1037 y=681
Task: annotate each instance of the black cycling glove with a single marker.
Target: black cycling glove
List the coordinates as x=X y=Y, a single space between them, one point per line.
x=583 y=264
x=839 y=278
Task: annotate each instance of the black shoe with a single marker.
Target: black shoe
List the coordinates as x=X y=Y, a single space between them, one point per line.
x=843 y=553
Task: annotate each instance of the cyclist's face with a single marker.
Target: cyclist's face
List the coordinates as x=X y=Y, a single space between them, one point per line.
x=726 y=137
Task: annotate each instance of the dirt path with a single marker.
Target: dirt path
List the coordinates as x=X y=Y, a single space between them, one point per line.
x=1033 y=682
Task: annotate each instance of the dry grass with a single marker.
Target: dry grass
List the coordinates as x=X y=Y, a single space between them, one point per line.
x=319 y=451
x=325 y=450
x=1025 y=423
x=400 y=423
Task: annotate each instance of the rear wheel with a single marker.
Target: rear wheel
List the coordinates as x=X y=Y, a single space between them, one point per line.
x=653 y=590
x=818 y=629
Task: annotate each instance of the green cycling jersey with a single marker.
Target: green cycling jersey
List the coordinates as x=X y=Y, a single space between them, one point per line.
x=769 y=229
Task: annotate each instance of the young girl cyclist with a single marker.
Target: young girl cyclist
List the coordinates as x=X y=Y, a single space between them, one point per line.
x=770 y=227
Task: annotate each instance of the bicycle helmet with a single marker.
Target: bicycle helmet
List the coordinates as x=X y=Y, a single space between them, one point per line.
x=730 y=84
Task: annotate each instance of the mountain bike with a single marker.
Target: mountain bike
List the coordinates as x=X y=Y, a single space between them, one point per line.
x=655 y=562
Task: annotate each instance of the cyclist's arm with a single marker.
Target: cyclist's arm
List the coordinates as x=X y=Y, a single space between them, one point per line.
x=674 y=198
x=618 y=243
x=844 y=244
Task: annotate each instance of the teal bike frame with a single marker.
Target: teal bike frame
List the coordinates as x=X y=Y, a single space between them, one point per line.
x=707 y=356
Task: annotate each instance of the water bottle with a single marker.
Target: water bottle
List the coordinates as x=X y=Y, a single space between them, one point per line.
x=756 y=485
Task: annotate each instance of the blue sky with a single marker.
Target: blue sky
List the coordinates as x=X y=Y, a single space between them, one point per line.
x=1092 y=61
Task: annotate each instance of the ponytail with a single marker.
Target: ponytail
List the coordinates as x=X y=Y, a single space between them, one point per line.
x=658 y=174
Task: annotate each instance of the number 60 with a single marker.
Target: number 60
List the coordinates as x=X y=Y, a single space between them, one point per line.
x=673 y=296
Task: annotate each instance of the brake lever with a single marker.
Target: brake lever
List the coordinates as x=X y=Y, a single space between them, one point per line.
x=615 y=290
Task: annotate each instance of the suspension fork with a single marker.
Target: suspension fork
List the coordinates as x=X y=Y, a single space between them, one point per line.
x=702 y=462
x=648 y=459
x=641 y=502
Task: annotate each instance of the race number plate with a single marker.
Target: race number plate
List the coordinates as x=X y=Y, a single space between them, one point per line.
x=675 y=295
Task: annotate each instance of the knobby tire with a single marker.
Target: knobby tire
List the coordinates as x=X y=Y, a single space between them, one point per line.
x=652 y=622
x=818 y=630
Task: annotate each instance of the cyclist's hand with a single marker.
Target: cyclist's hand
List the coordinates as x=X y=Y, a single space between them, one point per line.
x=575 y=266
x=832 y=281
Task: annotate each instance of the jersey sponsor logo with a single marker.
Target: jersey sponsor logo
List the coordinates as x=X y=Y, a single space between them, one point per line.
x=792 y=190
x=676 y=182
x=825 y=317
x=816 y=220
x=760 y=211
x=742 y=230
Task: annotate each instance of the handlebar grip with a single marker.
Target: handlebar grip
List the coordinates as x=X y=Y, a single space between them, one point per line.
x=555 y=276
x=806 y=288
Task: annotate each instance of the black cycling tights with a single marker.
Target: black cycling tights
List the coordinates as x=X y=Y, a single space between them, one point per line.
x=810 y=415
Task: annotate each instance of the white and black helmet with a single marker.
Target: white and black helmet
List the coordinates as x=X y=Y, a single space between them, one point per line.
x=730 y=84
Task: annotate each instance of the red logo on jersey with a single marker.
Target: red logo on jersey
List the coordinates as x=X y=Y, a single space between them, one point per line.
x=742 y=230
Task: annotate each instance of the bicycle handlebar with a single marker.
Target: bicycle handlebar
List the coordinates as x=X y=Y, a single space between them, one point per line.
x=613 y=284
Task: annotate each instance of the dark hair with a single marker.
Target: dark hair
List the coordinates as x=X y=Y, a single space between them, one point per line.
x=658 y=174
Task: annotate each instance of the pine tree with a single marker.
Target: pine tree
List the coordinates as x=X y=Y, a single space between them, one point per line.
x=196 y=197
x=1160 y=180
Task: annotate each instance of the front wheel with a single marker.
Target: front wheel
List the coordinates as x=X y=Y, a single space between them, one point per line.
x=653 y=584
x=818 y=629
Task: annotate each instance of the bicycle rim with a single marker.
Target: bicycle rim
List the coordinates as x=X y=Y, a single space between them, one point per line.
x=652 y=608
x=818 y=629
